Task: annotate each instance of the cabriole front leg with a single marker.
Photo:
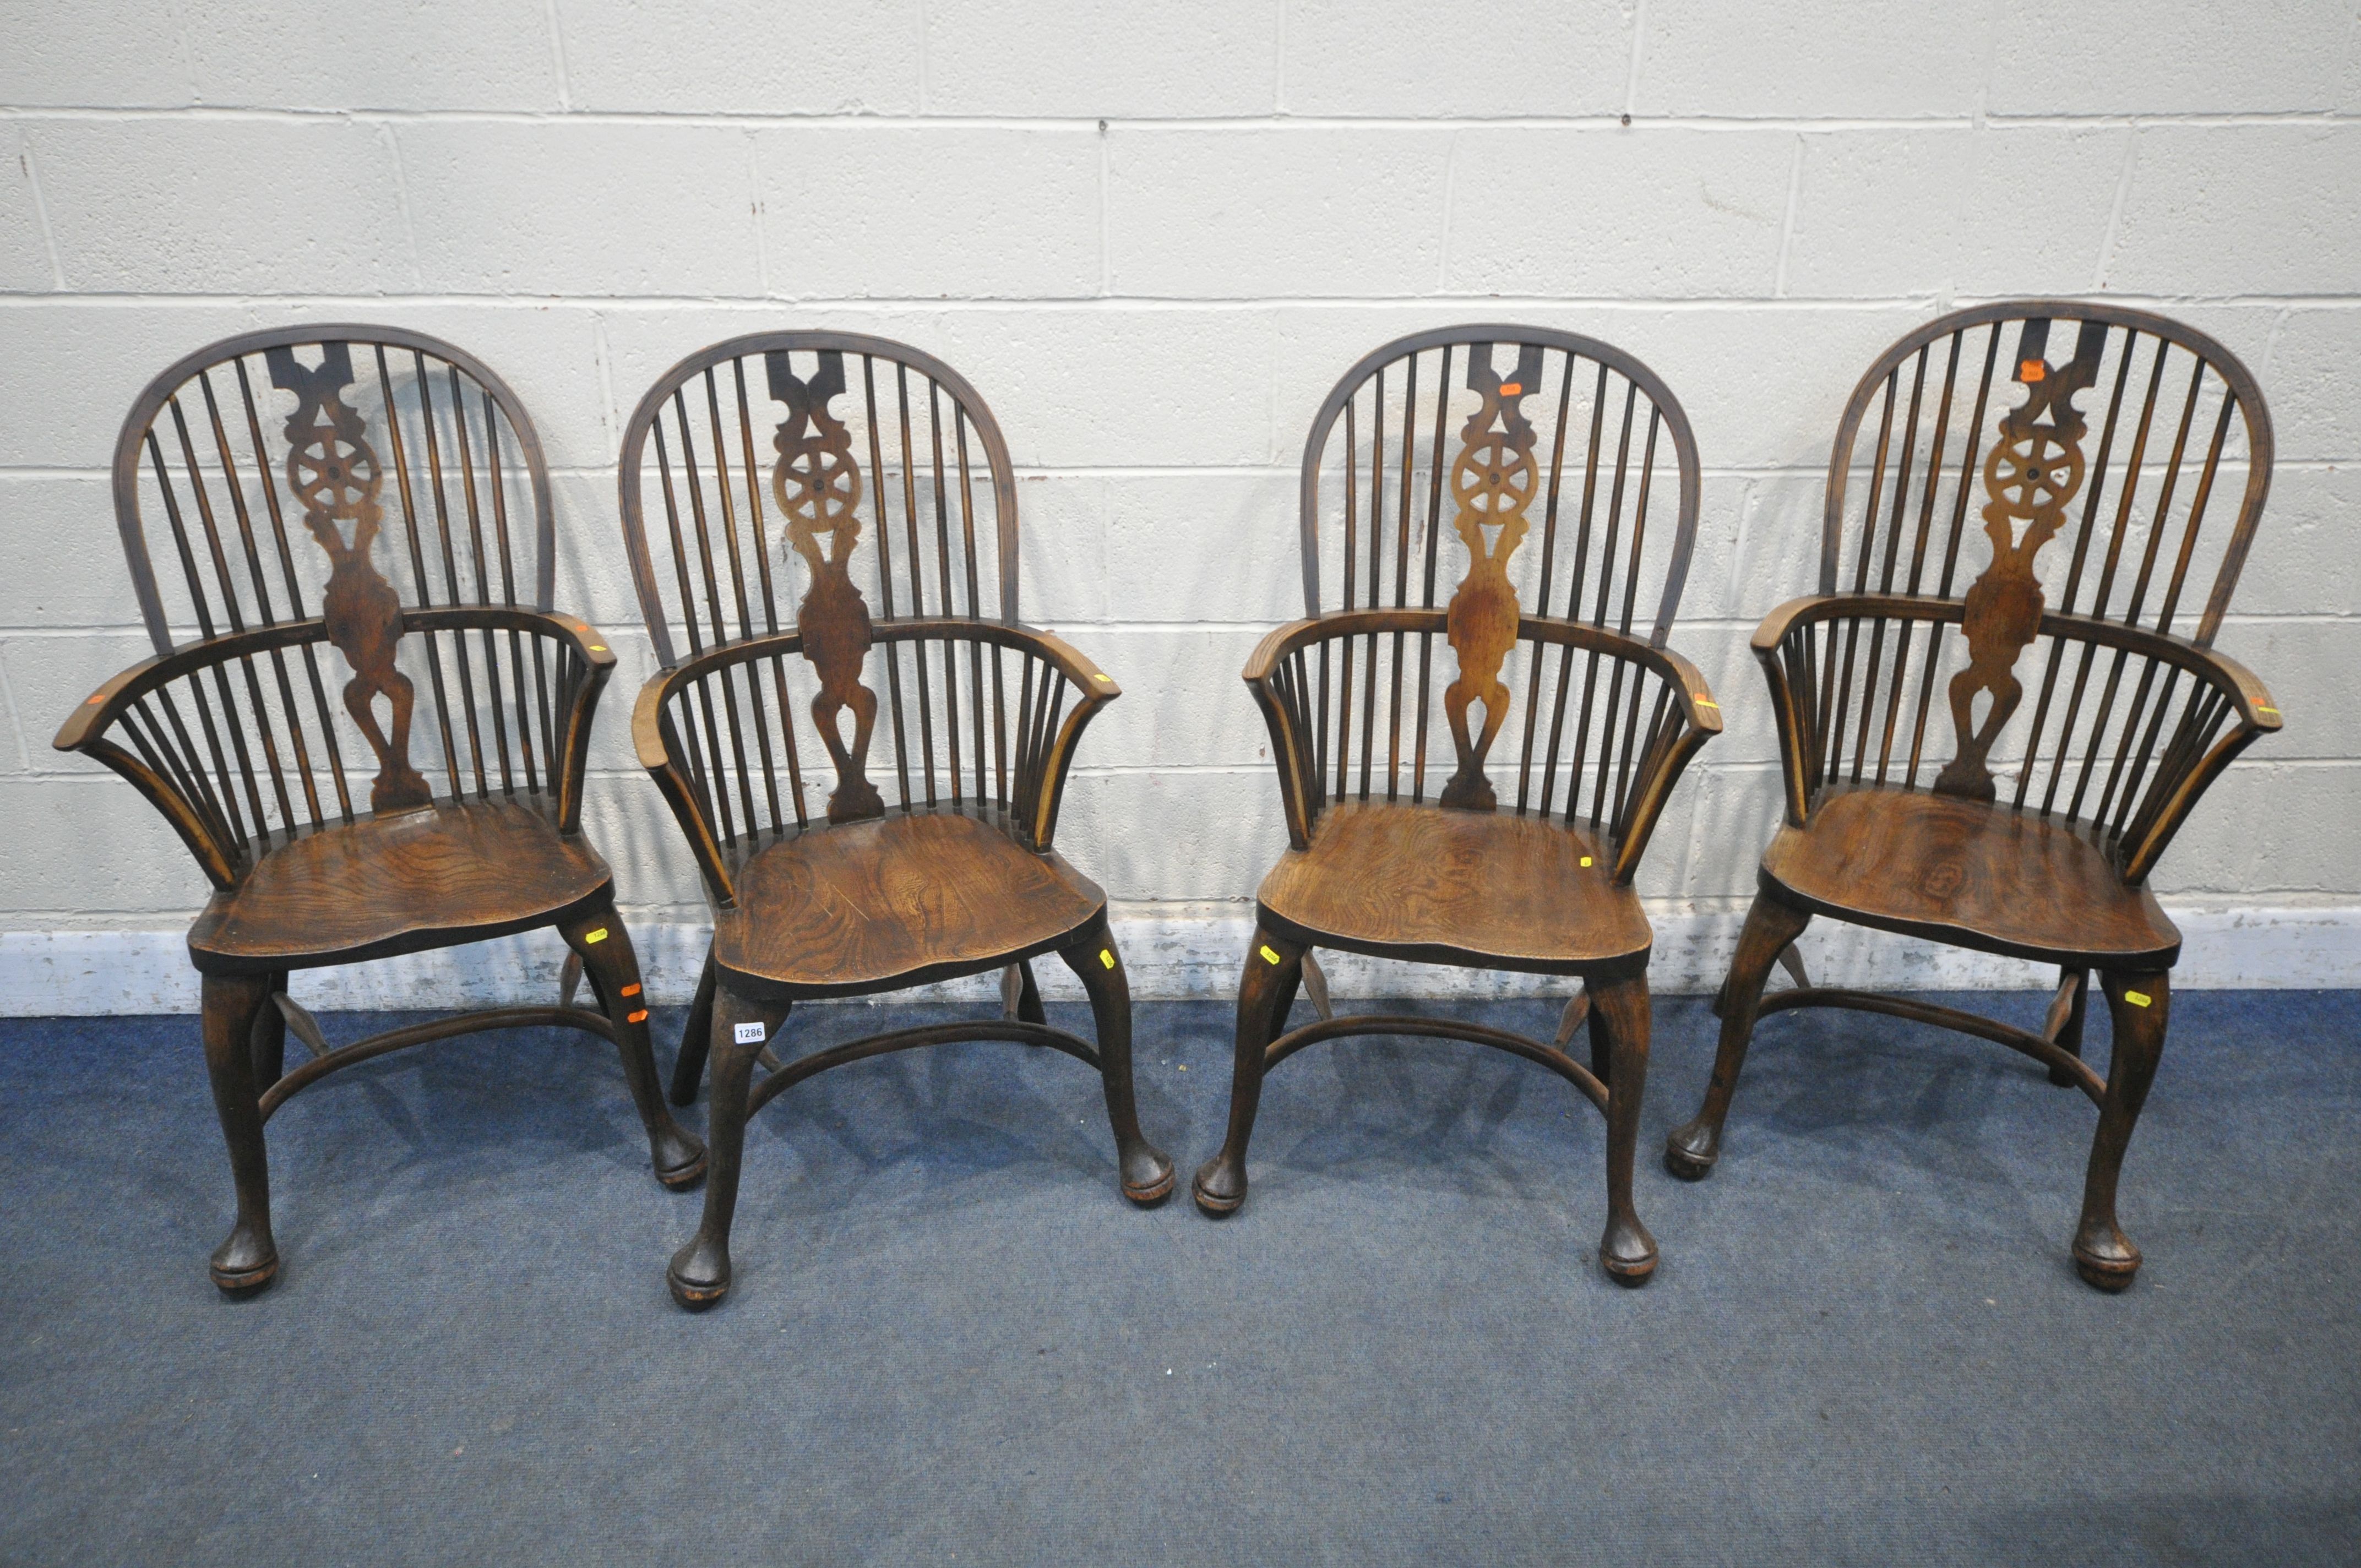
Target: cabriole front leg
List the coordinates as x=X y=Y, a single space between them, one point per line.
x=613 y=970
x=699 y=1274
x=1691 y=1151
x=249 y=1260
x=2138 y=1003
x=1274 y=969
x=1620 y=1008
x=1146 y=1173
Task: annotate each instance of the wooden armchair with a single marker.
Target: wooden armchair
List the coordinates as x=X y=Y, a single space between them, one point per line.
x=266 y=459
x=1530 y=432
x=759 y=733
x=2036 y=837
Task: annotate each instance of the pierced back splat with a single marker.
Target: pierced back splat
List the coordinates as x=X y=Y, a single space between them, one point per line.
x=2035 y=470
x=817 y=483
x=1492 y=483
x=333 y=470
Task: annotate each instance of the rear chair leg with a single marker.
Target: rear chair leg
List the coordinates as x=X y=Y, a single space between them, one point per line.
x=271 y=1035
x=249 y=1260
x=1274 y=969
x=613 y=970
x=688 y=1066
x=2067 y=1033
x=2138 y=1003
x=1691 y=1151
x=1620 y=1008
x=1146 y=1173
x=699 y=1273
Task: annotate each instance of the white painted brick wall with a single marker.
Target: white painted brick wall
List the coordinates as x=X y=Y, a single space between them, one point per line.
x=1153 y=235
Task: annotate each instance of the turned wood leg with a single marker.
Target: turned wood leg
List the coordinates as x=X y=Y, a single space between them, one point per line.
x=2069 y=1032
x=1274 y=969
x=2139 y=1004
x=1602 y=1043
x=699 y=1274
x=1690 y=1151
x=270 y=1036
x=1146 y=1173
x=688 y=1065
x=249 y=1260
x=1620 y=1008
x=613 y=970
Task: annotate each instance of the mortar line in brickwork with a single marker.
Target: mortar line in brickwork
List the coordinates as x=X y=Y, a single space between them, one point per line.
x=1290 y=124
x=1145 y=304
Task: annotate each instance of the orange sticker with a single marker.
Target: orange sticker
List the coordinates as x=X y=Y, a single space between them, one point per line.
x=2032 y=371
x=630 y=991
x=1512 y=388
x=639 y=1017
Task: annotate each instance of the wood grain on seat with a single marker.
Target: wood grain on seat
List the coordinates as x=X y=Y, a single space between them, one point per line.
x=396 y=885
x=898 y=900
x=1979 y=875
x=1438 y=886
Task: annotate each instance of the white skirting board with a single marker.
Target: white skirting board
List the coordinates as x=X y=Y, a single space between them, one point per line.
x=1167 y=957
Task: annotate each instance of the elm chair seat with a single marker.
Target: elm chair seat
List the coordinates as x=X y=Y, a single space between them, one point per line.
x=857 y=907
x=1974 y=875
x=1431 y=885
x=392 y=884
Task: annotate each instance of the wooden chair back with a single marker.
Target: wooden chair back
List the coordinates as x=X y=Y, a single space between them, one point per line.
x=366 y=487
x=872 y=476
x=1537 y=488
x=2092 y=539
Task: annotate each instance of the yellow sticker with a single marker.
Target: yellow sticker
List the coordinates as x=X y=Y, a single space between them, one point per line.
x=1707 y=702
x=597 y=936
x=2136 y=998
x=1096 y=676
x=1106 y=958
x=1585 y=859
x=1269 y=956
x=597 y=647
x=2259 y=707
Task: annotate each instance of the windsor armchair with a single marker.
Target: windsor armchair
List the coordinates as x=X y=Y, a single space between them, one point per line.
x=266 y=459
x=2035 y=839
x=822 y=887
x=1382 y=858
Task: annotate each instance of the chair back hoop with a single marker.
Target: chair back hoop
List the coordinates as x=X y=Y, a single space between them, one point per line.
x=357 y=484
x=874 y=479
x=2104 y=525
x=869 y=437
x=1542 y=456
x=209 y=450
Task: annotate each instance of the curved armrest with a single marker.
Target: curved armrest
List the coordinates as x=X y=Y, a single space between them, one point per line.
x=581 y=692
x=1044 y=752
x=2185 y=767
x=196 y=819
x=1285 y=707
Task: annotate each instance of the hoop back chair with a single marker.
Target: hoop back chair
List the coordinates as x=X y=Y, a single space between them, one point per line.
x=372 y=498
x=1925 y=794
x=883 y=473
x=1530 y=466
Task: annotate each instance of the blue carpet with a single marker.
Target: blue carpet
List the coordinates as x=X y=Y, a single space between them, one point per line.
x=951 y=1341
